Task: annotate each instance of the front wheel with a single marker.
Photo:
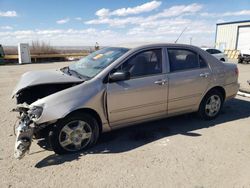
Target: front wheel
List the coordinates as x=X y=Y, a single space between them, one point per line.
x=74 y=133
x=211 y=105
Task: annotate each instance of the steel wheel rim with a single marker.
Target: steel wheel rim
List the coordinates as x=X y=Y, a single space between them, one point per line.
x=213 y=105
x=75 y=135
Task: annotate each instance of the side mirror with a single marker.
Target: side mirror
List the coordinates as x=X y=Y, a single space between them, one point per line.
x=119 y=76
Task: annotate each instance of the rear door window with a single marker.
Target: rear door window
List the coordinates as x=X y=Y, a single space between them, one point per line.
x=182 y=59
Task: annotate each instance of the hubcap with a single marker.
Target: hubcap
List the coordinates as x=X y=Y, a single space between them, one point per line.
x=213 y=105
x=75 y=135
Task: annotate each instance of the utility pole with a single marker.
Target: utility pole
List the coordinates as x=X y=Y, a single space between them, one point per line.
x=190 y=42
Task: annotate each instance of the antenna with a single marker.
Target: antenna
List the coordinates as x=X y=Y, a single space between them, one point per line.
x=180 y=35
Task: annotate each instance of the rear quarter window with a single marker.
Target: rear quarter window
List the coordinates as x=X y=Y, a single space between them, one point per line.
x=202 y=62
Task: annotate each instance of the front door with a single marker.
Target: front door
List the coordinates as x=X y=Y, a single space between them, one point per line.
x=144 y=95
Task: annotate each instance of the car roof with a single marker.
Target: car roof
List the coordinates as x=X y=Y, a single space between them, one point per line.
x=149 y=45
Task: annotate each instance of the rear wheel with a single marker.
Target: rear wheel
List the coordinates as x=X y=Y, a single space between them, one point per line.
x=74 y=133
x=222 y=59
x=211 y=105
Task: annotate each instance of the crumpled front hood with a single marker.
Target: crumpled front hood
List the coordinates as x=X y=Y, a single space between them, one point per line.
x=34 y=78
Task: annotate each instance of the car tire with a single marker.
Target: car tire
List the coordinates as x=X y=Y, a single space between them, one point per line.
x=211 y=105
x=74 y=133
x=222 y=59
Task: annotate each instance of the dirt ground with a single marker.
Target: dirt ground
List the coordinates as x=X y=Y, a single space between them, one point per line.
x=177 y=152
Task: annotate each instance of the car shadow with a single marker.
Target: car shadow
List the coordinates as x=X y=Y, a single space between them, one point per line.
x=132 y=137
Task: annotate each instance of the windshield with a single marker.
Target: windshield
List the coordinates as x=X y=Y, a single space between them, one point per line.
x=94 y=63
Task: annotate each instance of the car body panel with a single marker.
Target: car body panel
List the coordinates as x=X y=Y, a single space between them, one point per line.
x=181 y=97
x=136 y=98
x=135 y=101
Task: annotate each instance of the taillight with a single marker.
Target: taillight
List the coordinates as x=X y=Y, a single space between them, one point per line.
x=236 y=70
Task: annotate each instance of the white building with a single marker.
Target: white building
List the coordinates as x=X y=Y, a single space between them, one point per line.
x=233 y=36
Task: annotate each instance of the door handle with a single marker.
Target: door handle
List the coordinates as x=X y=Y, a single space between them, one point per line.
x=204 y=75
x=161 y=82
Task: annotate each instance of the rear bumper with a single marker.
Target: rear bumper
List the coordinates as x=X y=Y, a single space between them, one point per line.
x=231 y=90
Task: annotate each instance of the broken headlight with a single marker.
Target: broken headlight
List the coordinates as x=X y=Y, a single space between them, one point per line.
x=35 y=112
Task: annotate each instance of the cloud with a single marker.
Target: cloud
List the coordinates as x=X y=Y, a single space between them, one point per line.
x=62 y=21
x=8 y=14
x=78 y=18
x=117 y=22
x=173 y=11
x=163 y=25
x=171 y=27
x=178 y=10
x=237 y=13
x=227 y=14
x=165 y=30
x=220 y=21
x=146 y=7
x=6 y=27
x=208 y=14
x=102 y=13
x=60 y=36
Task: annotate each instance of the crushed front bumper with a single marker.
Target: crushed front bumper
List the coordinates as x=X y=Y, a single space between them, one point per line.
x=24 y=134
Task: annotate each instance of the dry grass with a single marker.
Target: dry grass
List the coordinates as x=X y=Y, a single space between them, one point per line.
x=40 y=47
x=10 y=50
x=36 y=48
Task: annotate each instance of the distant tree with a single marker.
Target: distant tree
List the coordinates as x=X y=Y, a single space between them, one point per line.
x=40 y=47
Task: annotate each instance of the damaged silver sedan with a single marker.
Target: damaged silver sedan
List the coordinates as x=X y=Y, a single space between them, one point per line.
x=116 y=87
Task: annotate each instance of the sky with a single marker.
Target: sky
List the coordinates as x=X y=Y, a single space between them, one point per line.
x=116 y=22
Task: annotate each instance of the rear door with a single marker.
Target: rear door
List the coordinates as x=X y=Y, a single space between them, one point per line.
x=189 y=78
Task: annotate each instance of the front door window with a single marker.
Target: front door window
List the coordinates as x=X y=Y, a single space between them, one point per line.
x=144 y=64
